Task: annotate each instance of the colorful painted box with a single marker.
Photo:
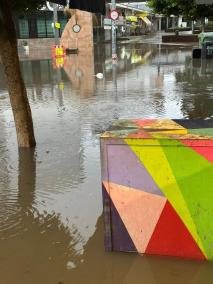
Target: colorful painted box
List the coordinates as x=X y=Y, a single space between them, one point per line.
x=157 y=178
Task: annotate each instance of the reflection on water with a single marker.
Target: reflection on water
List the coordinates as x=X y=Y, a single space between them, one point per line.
x=51 y=226
x=196 y=83
x=80 y=71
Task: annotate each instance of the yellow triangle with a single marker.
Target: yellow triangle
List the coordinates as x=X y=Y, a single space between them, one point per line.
x=156 y=163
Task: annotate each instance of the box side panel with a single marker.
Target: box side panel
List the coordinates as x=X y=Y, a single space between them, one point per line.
x=136 y=200
x=116 y=163
x=132 y=193
x=192 y=168
x=117 y=168
x=184 y=173
x=105 y=195
x=154 y=193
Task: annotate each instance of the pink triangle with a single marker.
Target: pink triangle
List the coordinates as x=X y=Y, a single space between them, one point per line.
x=144 y=122
x=139 y=211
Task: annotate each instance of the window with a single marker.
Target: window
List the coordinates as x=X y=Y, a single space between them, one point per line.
x=41 y=27
x=50 y=32
x=23 y=28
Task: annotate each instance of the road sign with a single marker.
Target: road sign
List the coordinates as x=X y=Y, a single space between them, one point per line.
x=57 y=25
x=107 y=27
x=114 y=15
x=107 y=22
x=114 y=57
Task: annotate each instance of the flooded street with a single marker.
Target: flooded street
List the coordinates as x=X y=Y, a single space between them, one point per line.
x=51 y=225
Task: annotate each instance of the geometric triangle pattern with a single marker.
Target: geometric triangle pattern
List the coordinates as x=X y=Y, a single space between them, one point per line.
x=155 y=161
x=144 y=208
x=171 y=237
x=205 y=150
x=120 y=238
x=125 y=169
x=195 y=180
x=158 y=179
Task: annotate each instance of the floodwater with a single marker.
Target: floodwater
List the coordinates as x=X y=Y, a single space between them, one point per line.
x=51 y=222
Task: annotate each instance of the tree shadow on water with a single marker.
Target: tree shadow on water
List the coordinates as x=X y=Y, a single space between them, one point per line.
x=37 y=246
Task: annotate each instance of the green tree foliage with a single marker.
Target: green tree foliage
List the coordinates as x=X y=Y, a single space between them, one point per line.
x=185 y=8
x=27 y=5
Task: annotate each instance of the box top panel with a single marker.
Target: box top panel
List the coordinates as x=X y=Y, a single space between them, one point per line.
x=161 y=129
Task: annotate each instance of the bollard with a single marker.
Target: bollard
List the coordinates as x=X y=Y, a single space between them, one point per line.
x=157 y=181
x=58 y=51
x=207 y=50
x=59 y=62
x=196 y=53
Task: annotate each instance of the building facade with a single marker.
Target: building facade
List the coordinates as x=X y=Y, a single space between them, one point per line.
x=38 y=24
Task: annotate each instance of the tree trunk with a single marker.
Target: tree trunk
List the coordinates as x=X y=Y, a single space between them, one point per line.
x=26 y=178
x=15 y=83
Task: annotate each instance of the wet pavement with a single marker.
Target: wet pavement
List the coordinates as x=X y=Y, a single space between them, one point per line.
x=51 y=225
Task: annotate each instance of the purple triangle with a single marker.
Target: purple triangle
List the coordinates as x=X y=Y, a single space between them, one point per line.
x=126 y=169
x=119 y=239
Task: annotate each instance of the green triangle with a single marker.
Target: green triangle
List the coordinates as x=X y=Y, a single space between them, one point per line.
x=194 y=176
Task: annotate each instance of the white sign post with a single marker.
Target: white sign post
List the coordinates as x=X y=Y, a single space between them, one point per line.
x=54 y=9
x=114 y=16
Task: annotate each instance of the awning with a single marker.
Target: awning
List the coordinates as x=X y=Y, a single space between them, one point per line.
x=132 y=18
x=143 y=14
x=146 y=21
x=94 y=6
x=135 y=19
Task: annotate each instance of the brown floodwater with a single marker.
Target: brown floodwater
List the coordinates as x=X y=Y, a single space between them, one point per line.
x=51 y=222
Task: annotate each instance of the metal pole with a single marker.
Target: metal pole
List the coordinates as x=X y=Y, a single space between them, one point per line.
x=114 y=49
x=114 y=77
x=193 y=27
x=160 y=24
x=167 y=23
x=55 y=20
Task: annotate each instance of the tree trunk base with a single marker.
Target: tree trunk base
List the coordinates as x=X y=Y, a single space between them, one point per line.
x=18 y=94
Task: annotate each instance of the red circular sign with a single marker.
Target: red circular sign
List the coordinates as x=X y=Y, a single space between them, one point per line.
x=114 y=15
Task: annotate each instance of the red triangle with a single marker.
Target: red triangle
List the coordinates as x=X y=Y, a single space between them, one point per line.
x=202 y=147
x=172 y=238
